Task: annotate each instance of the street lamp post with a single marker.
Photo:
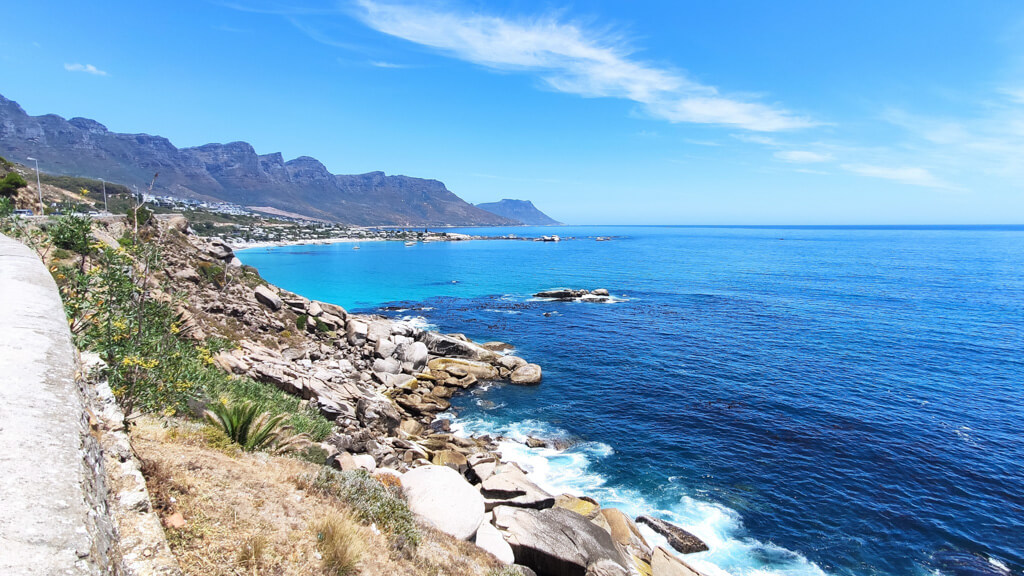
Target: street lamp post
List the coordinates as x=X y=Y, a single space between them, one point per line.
x=39 y=187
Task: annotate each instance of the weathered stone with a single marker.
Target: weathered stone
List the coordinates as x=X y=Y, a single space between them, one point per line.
x=415 y=353
x=266 y=297
x=419 y=405
x=488 y=538
x=333 y=323
x=355 y=332
x=385 y=348
x=378 y=414
x=584 y=506
x=187 y=274
x=663 y=563
x=507 y=485
x=443 y=498
x=510 y=363
x=447 y=346
x=681 y=540
x=451 y=459
x=600 y=292
x=229 y=363
x=314 y=309
x=387 y=365
x=460 y=368
x=378 y=330
x=395 y=380
x=557 y=541
x=334 y=310
x=412 y=427
x=626 y=534
x=535 y=442
x=497 y=346
x=528 y=374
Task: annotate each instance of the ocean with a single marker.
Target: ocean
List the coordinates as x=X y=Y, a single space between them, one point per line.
x=807 y=400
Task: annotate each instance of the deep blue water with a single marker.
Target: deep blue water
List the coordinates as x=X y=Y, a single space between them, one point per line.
x=837 y=400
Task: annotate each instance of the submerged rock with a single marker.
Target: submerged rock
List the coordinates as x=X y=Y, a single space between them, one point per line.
x=681 y=540
x=526 y=374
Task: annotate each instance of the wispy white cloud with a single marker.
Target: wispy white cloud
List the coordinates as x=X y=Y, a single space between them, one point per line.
x=802 y=156
x=912 y=175
x=383 y=64
x=571 y=59
x=757 y=139
x=87 y=68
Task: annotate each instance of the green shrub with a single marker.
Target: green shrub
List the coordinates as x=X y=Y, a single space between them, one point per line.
x=138 y=216
x=372 y=501
x=10 y=184
x=91 y=185
x=6 y=207
x=300 y=321
x=299 y=415
x=253 y=429
x=72 y=232
x=213 y=274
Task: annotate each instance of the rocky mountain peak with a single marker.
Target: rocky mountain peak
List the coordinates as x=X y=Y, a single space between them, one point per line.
x=232 y=172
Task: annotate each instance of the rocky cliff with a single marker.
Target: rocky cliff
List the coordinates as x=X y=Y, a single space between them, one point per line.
x=521 y=210
x=234 y=173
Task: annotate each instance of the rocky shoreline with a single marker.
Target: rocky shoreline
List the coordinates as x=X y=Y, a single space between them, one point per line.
x=383 y=384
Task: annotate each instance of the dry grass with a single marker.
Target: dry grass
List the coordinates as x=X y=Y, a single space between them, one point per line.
x=340 y=544
x=246 y=515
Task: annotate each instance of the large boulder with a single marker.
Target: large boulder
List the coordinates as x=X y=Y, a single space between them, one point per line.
x=443 y=498
x=510 y=363
x=267 y=297
x=448 y=346
x=526 y=374
x=557 y=541
x=488 y=538
x=586 y=507
x=333 y=310
x=355 y=332
x=414 y=353
x=681 y=540
x=378 y=414
x=507 y=485
x=460 y=368
x=665 y=564
x=378 y=330
x=387 y=365
x=626 y=534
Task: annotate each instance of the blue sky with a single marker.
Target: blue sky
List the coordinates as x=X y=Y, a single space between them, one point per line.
x=735 y=112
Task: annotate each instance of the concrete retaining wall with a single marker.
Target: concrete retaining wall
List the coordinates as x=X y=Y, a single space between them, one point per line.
x=72 y=499
x=48 y=493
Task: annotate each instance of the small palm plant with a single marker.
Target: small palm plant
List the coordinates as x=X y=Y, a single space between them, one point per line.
x=253 y=429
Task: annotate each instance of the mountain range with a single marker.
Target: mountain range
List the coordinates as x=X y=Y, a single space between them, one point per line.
x=521 y=210
x=233 y=173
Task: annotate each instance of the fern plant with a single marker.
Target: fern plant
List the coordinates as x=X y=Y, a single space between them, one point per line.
x=253 y=429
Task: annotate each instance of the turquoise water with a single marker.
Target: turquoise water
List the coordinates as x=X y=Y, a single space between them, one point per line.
x=807 y=400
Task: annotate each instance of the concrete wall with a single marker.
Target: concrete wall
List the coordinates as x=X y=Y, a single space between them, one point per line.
x=51 y=499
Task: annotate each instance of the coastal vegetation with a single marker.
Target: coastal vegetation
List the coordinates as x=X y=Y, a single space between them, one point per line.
x=10 y=184
x=116 y=308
